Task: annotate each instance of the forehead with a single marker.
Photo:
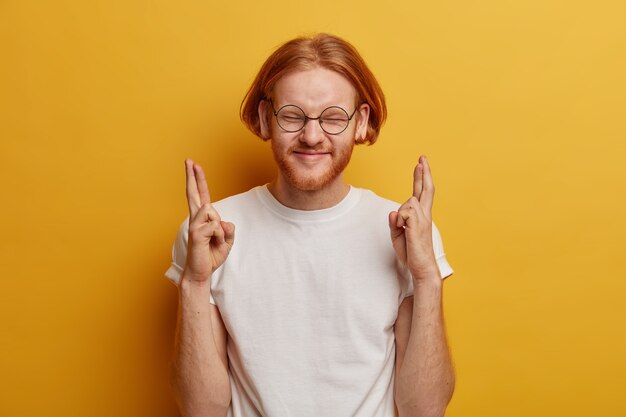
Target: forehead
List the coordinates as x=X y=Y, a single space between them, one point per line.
x=314 y=89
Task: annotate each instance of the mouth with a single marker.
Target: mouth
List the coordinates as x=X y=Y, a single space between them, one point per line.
x=308 y=155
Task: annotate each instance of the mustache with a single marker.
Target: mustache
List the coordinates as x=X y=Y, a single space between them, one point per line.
x=300 y=148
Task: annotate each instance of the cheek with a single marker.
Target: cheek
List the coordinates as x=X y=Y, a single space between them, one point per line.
x=346 y=145
x=280 y=145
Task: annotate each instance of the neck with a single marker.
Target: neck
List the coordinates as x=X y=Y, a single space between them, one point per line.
x=295 y=198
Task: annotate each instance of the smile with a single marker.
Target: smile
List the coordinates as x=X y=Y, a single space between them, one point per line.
x=310 y=156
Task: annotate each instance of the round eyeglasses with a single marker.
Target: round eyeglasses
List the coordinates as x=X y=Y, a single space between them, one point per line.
x=333 y=120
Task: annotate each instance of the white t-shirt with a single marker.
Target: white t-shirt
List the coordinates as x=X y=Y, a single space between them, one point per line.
x=309 y=300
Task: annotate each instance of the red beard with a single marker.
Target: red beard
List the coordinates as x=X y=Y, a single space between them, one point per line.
x=312 y=182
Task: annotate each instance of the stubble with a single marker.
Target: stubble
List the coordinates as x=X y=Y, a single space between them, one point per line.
x=312 y=182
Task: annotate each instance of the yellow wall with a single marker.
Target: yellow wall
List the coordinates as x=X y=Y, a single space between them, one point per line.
x=520 y=106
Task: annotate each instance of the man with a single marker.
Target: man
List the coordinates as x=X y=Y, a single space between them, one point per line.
x=328 y=302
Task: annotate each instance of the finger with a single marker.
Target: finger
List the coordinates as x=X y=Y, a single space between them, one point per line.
x=193 y=198
x=203 y=189
x=218 y=232
x=428 y=189
x=408 y=213
x=394 y=229
x=206 y=230
x=418 y=180
x=229 y=232
x=206 y=224
x=205 y=214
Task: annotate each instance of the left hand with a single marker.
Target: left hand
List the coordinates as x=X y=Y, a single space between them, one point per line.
x=411 y=226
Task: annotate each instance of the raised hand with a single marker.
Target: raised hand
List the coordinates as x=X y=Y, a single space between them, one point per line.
x=411 y=225
x=210 y=239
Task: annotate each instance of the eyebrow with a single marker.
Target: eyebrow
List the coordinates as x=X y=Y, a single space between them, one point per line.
x=323 y=106
x=278 y=107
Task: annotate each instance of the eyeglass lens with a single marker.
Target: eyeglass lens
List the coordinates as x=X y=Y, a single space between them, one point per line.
x=333 y=120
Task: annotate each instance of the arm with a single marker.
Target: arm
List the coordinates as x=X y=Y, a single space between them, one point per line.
x=424 y=380
x=199 y=369
x=200 y=366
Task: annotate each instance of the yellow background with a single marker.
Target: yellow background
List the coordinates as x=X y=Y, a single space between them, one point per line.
x=520 y=106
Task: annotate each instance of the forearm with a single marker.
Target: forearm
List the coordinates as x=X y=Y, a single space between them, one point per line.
x=425 y=379
x=199 y=376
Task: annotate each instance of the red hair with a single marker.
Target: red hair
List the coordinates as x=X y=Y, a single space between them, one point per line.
x=325 y=51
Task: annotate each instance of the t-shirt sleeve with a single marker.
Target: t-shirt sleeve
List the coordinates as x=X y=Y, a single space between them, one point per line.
x=440 y=256
x=179 y=255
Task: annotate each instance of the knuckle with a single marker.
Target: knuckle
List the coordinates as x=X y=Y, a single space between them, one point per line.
x=194 y=235
x=193 y=227
x=213 y=226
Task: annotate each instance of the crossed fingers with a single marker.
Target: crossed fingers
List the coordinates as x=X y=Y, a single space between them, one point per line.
x=197 y=189
x=423 y=186
x=420 y=204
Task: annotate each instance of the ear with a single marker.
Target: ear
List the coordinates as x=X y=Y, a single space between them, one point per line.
x=362 y=122
x=264 y=127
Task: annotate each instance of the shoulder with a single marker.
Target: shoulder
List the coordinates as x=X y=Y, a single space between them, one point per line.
x=372 y=201
x=237 y=203
x=371 y=213
x=237 y=198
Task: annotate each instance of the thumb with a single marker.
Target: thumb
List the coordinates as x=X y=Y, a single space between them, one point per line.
x=229 y=232
x=393 y=228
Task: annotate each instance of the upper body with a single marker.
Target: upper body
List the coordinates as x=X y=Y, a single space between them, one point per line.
x=309 y=300
x=329 y=301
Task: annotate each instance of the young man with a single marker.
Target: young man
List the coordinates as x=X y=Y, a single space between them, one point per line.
x=329 y=300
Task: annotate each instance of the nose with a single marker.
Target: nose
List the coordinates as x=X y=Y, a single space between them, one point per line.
x=312 y=133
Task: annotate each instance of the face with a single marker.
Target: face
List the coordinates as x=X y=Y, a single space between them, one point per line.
x=312 y=159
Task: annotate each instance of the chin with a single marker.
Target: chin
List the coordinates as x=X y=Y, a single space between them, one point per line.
x=312 y=182
x=305 y=180
x=312 y=178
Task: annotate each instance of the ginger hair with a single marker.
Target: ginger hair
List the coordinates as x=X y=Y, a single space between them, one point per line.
x=309 y=52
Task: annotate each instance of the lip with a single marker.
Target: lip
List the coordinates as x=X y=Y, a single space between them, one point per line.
x=310 y=156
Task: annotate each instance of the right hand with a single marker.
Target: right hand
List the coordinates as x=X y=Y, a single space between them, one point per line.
x=210 y=239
